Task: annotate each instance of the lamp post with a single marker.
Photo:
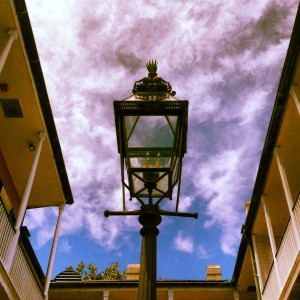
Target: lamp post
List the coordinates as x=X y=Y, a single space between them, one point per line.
x=151 y=127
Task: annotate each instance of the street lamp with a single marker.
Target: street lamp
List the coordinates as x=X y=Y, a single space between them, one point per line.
x=151 y=127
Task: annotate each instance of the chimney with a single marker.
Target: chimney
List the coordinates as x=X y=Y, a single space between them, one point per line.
x=133 y=272
x=213 y=273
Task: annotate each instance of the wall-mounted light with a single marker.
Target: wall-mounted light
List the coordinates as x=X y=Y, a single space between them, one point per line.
x=31 y=147
x=4 y=87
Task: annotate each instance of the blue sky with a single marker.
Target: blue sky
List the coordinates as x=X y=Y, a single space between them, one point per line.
x=225 y=57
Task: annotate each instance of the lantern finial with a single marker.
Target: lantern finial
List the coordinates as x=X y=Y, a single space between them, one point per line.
x=152 y=68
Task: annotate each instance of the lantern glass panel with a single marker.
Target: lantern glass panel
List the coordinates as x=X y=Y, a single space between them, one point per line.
x=150 y=152
x=161 y=188
x=150 y=131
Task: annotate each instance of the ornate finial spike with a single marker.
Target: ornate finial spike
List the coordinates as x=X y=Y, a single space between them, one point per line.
x=152 y=87
x=152 y=67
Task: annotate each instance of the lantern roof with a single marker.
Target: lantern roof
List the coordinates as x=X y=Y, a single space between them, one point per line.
x=152 y=87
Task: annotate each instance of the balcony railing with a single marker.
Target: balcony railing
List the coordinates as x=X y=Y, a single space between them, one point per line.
x=271 y=290
x=6 y=232
x=296 y=210
x=287 y=255
x=24 y=279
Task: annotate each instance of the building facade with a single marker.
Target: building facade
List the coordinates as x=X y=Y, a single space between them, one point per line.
x=32 y=170
x=68 y=285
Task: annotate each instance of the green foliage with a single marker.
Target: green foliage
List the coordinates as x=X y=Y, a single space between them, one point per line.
x=90 y=272
x=80 y=269
x=113 y=273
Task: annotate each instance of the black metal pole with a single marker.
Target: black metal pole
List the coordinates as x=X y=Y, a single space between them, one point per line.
x=149 y=219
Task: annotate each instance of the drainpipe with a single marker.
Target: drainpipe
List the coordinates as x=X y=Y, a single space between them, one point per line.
x=247 y=234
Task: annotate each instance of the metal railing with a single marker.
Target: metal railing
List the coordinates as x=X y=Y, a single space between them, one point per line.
x=271 y=290
x=6 y=232
x=296 y=210
x=21 y=274
x=287 y=253
x=23 y=278
x=286 y=257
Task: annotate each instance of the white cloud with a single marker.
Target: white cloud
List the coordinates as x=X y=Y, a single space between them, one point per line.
x=215 y=176
x=202 y=252
x=252 y=106
x=35 y=218
x=185 y=203
x=211 y=53
x=183 y=244
x=220 y=183
x=42 y=221
x=45 y=234
x=65 y=247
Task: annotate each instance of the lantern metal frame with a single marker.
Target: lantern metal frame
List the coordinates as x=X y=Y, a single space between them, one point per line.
x=151 y=176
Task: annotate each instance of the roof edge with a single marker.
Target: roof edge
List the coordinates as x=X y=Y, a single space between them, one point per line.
x=134 y=283
x=32 y=53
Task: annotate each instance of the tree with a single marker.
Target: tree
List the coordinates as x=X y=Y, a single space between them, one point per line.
x=90 y=272
x=80 y=268
x=113 y=273
x=69 y=268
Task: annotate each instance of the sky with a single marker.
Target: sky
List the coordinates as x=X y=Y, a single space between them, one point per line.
x=225 y=57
